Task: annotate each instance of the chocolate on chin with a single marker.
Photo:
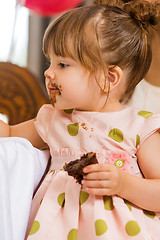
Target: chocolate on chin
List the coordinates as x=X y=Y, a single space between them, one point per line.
x=52 y=100
x=53 y=95
x=75 y=168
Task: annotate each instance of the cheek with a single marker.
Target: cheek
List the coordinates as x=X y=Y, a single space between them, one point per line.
x=75 y=86
x=70 y=91
x=72 y=85
x=73 y=93
x=93 y=87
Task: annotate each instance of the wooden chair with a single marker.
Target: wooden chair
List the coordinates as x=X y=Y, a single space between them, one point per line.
x=21 y=93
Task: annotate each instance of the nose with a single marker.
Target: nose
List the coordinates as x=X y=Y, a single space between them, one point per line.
x=49 y=73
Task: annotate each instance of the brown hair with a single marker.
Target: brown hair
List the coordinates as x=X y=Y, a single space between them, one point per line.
x=106 y=33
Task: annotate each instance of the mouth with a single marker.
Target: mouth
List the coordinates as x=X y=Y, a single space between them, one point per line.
x=53 y=92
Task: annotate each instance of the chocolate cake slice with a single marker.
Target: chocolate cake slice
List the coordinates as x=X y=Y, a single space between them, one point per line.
x=75 y=168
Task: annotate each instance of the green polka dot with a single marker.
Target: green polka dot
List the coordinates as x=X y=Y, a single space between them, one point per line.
x=149 y=214
x=35 y=119
x=137 y=140
x=72 y=235
x=116 y=135
x=108 y=203
x=35 y=227
x=145 y=114
x=132 y=228
x=128 y=204
x=83 y=197
x=73 y=129
x=69 y=111
x=101 y=227
x=61 y=199
x=119 y=163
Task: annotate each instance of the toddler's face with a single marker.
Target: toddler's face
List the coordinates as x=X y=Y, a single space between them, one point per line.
x=70 y=85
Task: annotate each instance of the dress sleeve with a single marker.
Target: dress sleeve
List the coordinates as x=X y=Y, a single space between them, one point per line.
x=150 y=126
x=43 y=119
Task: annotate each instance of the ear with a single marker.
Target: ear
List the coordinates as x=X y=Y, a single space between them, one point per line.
x=112 y=78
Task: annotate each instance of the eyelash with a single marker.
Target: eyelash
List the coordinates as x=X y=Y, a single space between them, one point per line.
x=63 y=65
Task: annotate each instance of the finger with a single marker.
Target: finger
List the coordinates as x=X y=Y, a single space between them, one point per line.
x=99 y=191
x=97 y=176
x=97 y=168
x=96 y=184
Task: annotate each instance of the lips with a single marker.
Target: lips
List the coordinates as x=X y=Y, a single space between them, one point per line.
x=53 y=88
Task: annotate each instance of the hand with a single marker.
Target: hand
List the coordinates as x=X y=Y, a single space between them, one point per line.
x=103 y=179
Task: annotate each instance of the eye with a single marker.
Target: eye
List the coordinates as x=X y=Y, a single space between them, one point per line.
x=63 y=65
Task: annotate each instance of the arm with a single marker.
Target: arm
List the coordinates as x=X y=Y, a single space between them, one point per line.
x=25 y=130
x=105 y=179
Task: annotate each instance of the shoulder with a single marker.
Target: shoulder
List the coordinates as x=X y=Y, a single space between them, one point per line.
x=43 y=119
x=151 y=124
x=143 y=123
x=46 y=108
x=45 y=112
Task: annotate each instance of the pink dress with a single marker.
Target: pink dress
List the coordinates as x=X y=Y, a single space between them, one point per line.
x=62 y=209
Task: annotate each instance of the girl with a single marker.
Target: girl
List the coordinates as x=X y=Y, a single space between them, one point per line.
x=97 y=56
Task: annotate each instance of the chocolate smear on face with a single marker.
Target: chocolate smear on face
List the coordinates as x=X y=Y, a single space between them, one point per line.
x=54 y=93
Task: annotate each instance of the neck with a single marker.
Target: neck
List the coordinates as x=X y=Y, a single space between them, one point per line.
x=112 y=106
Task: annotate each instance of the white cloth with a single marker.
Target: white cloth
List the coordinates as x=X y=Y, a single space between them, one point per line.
x=146 y=96
x=21 y=168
